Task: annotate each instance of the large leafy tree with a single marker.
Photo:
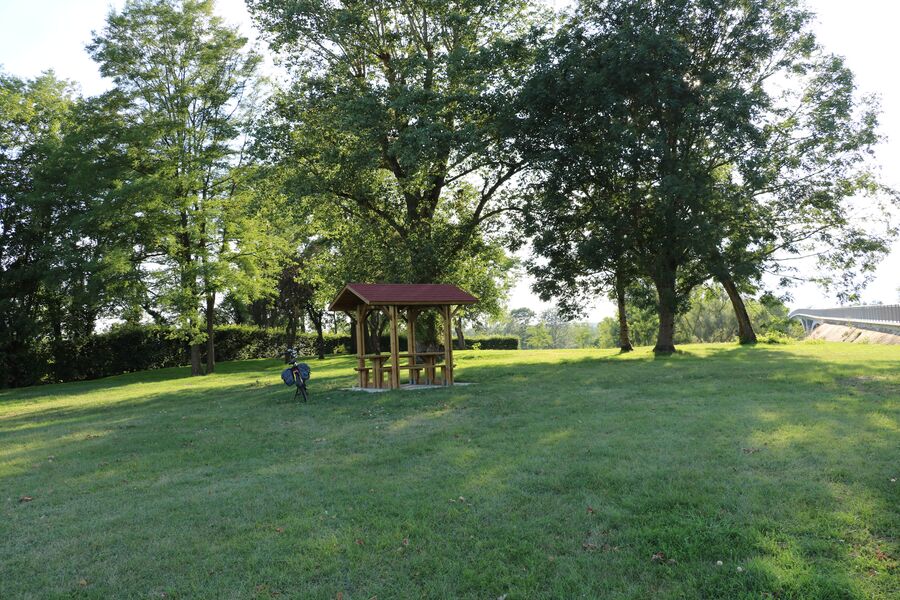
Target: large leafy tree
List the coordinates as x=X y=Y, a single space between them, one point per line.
x=703 y=138
x=33 y=115
x=399 y=111
x=182 y=76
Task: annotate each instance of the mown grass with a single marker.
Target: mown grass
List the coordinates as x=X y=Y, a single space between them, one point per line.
x=560 y=474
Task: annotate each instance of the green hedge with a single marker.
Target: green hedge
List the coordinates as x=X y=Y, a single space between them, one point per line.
x=488 y=342
x=240 y=342
x=493 y=342
x=128 y=349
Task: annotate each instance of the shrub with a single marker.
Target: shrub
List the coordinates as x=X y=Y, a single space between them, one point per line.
x=774 y=337
x=488 y=342
x=125 y=349
x=493 y=342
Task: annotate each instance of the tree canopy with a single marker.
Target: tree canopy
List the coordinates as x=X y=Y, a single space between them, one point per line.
x=680 y=141
x=676 y=156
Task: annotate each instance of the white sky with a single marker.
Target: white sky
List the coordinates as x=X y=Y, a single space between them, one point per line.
x=36 y=35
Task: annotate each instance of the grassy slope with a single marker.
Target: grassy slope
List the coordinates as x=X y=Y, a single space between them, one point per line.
x=777 y=460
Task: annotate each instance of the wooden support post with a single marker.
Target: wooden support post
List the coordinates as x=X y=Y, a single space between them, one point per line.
x=448 y=348
x=395 y=349
x=411 y=315
x=362 y=380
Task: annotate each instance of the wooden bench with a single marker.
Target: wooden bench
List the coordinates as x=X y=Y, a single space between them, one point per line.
x=430 y=373
x=443 y=368
x=365 y=371
x=414 y=371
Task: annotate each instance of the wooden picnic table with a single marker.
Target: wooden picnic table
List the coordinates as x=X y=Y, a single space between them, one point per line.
x=380 y=365
x=429 y=359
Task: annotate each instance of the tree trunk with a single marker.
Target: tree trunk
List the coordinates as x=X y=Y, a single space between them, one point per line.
x=317 y=319
x=371 y=329
x=320 y=340
x=666 y=307
x=291 y=329
x=624 y=337
x=375 y=326
x=195 y=359
x=746 y=335
x=210 y=333
x=352 y=348
x=157 y=316
x=427 y=331
x=460 y=334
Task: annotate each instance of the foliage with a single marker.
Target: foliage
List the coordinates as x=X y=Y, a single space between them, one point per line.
x=709 y=318
x=400 y=114
x=182 y=81
x=667 y=149
x=484 y=342
x=33 y=115
x=492 y=342
x=539 y=337
x=127 y=349
x=559 y=475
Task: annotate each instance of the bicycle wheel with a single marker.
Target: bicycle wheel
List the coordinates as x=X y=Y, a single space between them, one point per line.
x=302 y=389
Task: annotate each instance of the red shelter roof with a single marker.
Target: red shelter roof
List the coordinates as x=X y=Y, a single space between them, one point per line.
x=400 y=294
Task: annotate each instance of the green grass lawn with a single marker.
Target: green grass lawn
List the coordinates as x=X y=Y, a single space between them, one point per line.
x=560 y=474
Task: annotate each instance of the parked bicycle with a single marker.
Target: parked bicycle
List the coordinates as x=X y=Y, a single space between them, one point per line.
x=297 y=374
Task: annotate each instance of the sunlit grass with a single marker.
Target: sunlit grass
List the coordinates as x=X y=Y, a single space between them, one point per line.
x=559 y=474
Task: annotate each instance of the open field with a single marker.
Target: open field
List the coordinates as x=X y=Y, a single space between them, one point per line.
x=560 y=474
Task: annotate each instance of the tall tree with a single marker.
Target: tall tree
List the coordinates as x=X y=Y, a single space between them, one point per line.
x=33 y=115
x=182 y=76
x=667 y=121
x=399 y=111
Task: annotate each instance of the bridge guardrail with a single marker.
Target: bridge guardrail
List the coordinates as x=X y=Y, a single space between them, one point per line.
x=875 y=314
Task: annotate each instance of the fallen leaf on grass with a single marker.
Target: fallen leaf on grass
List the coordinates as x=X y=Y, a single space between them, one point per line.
x=405 y=542
x=590 y=510
x=658 y=557
x=82 y=582
x=25 y=499
x=359 y=542
x=750 y=450
x=881 y=554
x=279 y=529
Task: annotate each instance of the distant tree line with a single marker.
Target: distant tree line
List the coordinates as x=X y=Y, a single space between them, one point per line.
x=642 y=150
x=709 y=319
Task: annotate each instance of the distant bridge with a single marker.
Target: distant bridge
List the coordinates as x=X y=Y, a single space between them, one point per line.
x=884 y=317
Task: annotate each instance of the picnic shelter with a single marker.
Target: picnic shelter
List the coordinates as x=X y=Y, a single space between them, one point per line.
x=402 y=301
